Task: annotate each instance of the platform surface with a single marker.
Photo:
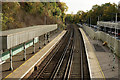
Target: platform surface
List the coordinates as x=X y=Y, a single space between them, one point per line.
x=93 y=63
x=104 y=57
x=18 y=58
x=107 y=60
x=21 y=71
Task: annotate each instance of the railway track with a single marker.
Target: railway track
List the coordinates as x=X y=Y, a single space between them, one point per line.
x=63 y=66
x=80 y=68
x=58 y=64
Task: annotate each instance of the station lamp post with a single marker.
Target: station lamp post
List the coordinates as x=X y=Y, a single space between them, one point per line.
x=118 y=7
x=116 y=25
x=99 y=19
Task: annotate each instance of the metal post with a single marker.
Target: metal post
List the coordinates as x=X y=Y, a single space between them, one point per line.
x=39 y=43
x=33 y=46
x=116 y=25
x=44 y=39
x=48 y=37
x=24 y=58
x=11 y=67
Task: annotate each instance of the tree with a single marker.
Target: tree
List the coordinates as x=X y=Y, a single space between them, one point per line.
x=23 y=14
x=106 y=12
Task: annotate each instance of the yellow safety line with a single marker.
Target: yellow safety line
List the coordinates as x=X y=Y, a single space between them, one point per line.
x=22 y=64
x=27 y=60
x=95 y=57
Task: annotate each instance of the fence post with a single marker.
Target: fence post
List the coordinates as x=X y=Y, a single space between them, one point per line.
x=24 y=58
x=11 y=67
x=39 y=43
x=33 y=45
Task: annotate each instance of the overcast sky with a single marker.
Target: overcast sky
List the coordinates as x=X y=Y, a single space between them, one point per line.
x=76 y=5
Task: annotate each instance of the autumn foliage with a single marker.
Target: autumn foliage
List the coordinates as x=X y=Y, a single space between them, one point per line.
x=105 y=12
x=25 y=14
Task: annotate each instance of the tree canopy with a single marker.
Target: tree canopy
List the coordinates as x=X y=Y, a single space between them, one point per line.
x=24 y=14
x=105 y=12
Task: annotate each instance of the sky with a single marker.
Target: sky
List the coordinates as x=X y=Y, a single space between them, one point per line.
x=76 y=5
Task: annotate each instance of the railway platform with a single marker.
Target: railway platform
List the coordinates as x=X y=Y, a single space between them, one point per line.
x=26 y=68
x=103 y=64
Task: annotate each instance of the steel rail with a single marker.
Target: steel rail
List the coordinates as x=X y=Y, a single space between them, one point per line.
x=57 y=68
x=40 y=72
x=82 y=68
x=69 y=64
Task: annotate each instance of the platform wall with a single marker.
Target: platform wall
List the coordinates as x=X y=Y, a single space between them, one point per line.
x=15 y=37
x=28 y=40
x=112 y=43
